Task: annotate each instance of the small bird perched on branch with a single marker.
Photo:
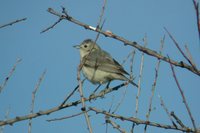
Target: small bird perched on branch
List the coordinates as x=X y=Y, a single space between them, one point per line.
x=98 y=66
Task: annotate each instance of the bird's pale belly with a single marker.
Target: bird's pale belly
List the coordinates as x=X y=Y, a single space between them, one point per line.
x=96 y=76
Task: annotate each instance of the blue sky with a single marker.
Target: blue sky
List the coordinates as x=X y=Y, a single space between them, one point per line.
x=53 y=51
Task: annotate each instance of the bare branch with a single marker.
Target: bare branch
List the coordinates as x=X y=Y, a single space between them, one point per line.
x=66 y=117
x=70 y=94
x=102 y=13
x=6 y=117
x=127 y=57
x=9 y=75
x=98 y=34
x=100 y=19
x=82 y=99
x=57 y=108
x=139 y=121
x=131 y=77
x=13 y=22
x=177 y=119
x=115 y=125
x=154 y=83
x=52 y=26
x=166 y=110
x=196 y=7
x=177 y=45
x=183 y=96
x=140 y=78
x=190 y=56
x=131 y=64
x=120 y=101
x=33 y=99
x=126 y=42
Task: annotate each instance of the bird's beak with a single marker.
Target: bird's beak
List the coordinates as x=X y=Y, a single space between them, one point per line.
x=77 y=46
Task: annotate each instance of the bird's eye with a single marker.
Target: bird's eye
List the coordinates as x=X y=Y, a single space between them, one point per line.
x=85 y=46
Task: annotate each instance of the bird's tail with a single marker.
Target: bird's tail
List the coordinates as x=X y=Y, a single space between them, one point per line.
x=134 y=84
x=131 y=81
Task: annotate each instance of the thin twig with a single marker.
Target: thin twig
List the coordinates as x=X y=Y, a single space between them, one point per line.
x=106 y=118
x=131 y=77
x=140 y=78
x=83 y=100
x=70 y=94
x=9 y=75
x=183 y=96
x=139 y=121
x=132 y=128
x=196 y=7
x=127 y=57
x=6 y=117
x=33 y=98
x=190 y=56
x=166 y=110
x=52 y=26
x=126 y=42
x=179 y=48
x=177 y=119
x=120 y=101
x=98 y=34
x=63 y=10
x=66 y=117
x=102 y=13
x=111 y=104
x=154 y=83
x=100 y=19
x=13 y=22
x=131 y=64
x=115 y=125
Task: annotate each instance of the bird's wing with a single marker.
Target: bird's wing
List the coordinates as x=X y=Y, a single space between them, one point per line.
x=103 y=61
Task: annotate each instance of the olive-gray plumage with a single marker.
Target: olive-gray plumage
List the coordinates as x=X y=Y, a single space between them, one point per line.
x=98 y=65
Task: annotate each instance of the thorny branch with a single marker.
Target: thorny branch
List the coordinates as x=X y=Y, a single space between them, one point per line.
x=57 y=108
x=126 y=42
x=139 y=121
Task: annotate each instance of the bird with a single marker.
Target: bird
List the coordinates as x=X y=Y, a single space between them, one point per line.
x=98 y=66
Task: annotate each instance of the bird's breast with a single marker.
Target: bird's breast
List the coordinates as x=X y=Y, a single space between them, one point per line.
x=95 y=76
